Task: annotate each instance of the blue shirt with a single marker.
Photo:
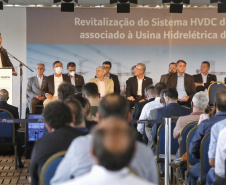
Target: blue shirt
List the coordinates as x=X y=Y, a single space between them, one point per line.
x=180 y=86
x=78 y=161
x=202 y=130
x=215 y=130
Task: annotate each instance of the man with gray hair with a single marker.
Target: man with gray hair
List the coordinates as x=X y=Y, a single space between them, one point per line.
x=105 y=85
x=35 y=88
x=199 y=103
x=135 y=85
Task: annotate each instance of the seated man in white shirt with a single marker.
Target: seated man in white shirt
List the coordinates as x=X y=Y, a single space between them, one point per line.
x=53 y=82
x=113 y=145
x=105 y=85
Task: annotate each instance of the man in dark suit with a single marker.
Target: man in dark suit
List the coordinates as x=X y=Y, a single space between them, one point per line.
x=150 y=96
x=35 y=88
x=107 y=65
x=204 y=79
x=53 y=82
x=76 y=80
x=59 y=122
x=183 y=82
x=4 y=59
x=172 y=70
x=172 y=109
x=135 y=85
x=4 y=96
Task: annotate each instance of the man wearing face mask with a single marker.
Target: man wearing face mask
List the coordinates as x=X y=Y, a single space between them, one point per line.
x=76 y=80
x=53 y=82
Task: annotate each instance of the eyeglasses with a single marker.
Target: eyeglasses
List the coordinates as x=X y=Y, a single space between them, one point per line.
x=137 y=69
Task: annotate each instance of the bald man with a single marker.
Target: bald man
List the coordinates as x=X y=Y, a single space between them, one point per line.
x=113 y=145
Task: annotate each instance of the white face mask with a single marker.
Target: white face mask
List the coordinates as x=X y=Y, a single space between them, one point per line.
x=58 y=70
x=72 y=73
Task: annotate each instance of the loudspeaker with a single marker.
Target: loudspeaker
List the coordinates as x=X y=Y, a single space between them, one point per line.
x=67 y=7
x=123 y=8
x=176 y=8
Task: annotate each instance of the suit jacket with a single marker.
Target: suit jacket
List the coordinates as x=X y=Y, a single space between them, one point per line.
x=12 y=109
x=48 y=145
x=5 y=60
x=116 y=83
x=138 y=108
x=49 y=88
x=33 y=87
x=109 y=85
x=198 y=79
x=164 y=78
x=188 y=83
x=132 y=85
x=172 y=109
x=79 y=80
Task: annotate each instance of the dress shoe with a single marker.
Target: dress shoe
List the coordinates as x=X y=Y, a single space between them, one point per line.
x=20 y=164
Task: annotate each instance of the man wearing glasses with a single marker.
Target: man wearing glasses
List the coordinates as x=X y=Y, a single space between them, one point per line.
x=107 y=65
x=135 y=85
x=35 y=86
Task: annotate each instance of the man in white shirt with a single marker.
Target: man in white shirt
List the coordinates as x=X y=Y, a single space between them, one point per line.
x=151 y=105
x=221 y=154
x=113 y=146
x=35 y=88
x=53 y=82
x=105 y=85
x=204 y=79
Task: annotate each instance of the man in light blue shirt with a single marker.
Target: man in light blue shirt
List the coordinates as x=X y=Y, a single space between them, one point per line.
x=78 y=160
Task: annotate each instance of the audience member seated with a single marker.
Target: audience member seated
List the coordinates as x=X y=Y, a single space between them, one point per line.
x=151 y=105
x=215 y=130
x=105 y=85
x=78 y=114
x=199 y=104
x=221 y=154
x=58 y=121
x=90 y=121
x=65 y=90
x=150 y=96
x=135 y=85
x=204 y=79
x=203 y=129
x=112 y=148
x=172 y=70
x=78 y=160
x=183 y=82
x=53 y=82
x=4 y=96
x=90 y=91
x=148 y=127
x=76 y=80
x=107 y=65
x=35 y=88
x=171 y=109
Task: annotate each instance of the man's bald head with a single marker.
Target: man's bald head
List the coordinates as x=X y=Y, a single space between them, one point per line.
x=4 y=95
x=113 y=143
x=113 y=105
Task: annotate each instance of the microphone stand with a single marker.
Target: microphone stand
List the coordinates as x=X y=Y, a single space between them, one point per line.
x=21 y=75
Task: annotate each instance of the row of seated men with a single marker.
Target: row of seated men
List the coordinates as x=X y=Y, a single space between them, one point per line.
x=40 y=87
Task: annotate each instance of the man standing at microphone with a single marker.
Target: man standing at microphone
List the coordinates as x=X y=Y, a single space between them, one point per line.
x=4 y=59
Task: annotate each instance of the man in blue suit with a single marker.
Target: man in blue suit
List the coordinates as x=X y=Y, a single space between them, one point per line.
x=172 y=109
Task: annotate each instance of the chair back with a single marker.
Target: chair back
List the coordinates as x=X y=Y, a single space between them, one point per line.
x=204 y=160
x=6 y=129
x=190 y=159
x=161 y=140
x=183 y=136
x=213 y=89
x=50 y=166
